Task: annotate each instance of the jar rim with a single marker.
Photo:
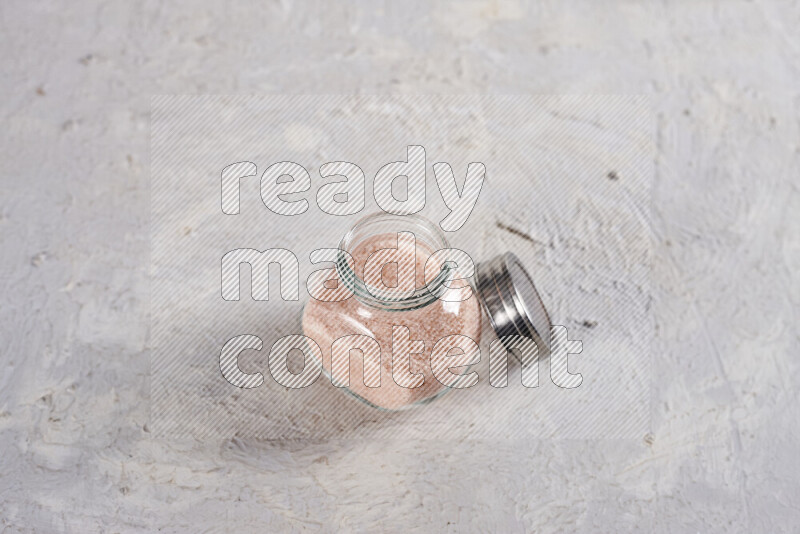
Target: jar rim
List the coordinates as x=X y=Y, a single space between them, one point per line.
x=367 y=227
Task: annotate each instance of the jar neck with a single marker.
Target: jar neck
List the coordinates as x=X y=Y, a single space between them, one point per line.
x=426 y=235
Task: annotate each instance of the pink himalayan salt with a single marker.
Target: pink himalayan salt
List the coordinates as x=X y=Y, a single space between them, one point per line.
x=325 y=322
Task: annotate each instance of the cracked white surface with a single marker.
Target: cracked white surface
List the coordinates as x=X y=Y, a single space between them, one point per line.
x=77 y=79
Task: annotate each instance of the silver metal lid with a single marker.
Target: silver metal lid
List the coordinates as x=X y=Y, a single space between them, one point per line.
x=511 y=301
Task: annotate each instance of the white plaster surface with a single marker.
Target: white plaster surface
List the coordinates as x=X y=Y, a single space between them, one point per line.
x=75 y=448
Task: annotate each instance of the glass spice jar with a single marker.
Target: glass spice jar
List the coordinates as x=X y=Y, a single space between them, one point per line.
x=402 y=301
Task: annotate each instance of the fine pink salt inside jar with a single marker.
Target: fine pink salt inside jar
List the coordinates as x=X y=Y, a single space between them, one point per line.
x=390 y=302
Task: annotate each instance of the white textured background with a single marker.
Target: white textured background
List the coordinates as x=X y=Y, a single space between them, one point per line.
x=76 y=78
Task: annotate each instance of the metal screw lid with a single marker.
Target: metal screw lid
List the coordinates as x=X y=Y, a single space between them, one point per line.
x=511 y=301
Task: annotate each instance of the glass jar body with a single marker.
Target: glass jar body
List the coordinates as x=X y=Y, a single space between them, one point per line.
x=378 y=349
